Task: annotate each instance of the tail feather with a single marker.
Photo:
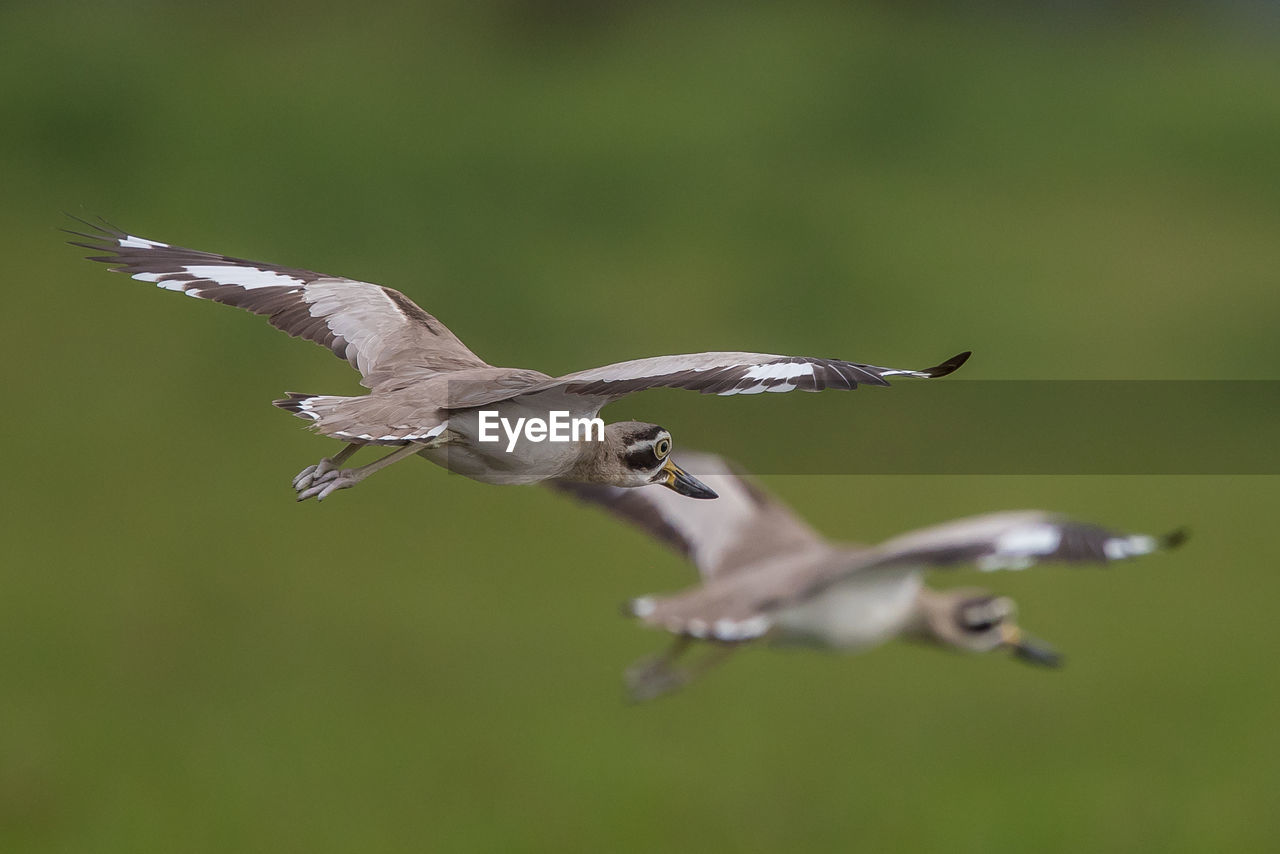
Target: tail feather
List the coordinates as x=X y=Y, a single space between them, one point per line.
x=300 y=405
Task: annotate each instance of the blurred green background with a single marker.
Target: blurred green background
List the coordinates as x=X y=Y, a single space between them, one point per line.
x=193 y=662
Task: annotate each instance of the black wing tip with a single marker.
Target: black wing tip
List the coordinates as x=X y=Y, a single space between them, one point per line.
x=949 y=366
x=292 y=401
x=102 y=236
x=1175 y=538
x=104 y=228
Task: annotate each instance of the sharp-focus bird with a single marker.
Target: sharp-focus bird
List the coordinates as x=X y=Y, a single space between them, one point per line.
x=432 y=396
x=769 y=577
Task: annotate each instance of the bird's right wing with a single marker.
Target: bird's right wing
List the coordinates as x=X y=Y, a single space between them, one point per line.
x=741 y=527
x=712 y=373
x=1015 y=539
x=380 y=331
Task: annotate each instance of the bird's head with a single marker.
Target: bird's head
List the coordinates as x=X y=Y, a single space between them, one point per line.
x=641 y=455
x=978 y=621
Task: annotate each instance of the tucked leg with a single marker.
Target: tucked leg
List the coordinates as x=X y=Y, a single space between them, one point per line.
x=655 y=676
x=325 y=485
x=650 y=678
x=312 y=473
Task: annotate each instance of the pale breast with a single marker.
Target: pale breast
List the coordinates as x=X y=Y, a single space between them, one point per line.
x=866 y=609
x=506 y=444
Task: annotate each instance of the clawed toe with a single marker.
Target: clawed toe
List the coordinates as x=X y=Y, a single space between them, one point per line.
x=327 y=484
x=304 y=478
x=327 y=477
x=312 y=474
x=320 y=481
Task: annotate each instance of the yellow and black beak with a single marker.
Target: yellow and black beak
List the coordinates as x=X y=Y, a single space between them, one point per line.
x=673 y=477
x=1027 y=648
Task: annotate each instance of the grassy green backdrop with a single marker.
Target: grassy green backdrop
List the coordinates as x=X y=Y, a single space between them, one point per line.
x=192 y=662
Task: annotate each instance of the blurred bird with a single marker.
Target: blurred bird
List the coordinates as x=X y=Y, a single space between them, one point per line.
x=769 y=577
x=427 y=390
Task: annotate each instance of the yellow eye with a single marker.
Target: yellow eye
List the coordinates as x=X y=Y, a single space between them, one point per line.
x=662 y=448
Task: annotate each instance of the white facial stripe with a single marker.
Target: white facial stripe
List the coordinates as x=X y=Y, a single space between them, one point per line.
x=248 y=278
x=132 y=242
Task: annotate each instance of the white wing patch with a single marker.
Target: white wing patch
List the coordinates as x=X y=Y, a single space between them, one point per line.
x=760 y=373
x=1118 y=548
x=245 y=277
x=248 y=278
x=305 y=408
x=131 y=242
x=1018 y=548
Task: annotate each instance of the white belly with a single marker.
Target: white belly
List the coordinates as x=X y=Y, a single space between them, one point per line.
x=502 y=461
x=865 y=610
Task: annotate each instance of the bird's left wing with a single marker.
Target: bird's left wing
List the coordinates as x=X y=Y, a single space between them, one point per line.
x=380 y=331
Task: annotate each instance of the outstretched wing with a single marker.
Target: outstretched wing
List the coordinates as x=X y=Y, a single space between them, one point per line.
x=742 y=608
x=1015 y=540
x=380 y=331
x=742 y=527
x=713 y=373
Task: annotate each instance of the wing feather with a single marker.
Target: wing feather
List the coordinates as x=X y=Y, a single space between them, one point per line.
x=742 y=527
x=380 y=331
x=729 y=373
x=742 y=607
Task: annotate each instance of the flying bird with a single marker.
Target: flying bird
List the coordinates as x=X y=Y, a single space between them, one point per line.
x=768 y=577
x=429 y=394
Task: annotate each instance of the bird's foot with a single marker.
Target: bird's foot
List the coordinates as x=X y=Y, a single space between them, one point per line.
x=653 y=677
x=312 y=474
x=328 y=482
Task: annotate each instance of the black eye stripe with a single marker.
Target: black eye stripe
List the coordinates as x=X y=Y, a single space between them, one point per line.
x=981 y=615
x=642 y=459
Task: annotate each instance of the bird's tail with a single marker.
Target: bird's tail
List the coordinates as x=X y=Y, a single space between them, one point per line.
x=310 y=406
